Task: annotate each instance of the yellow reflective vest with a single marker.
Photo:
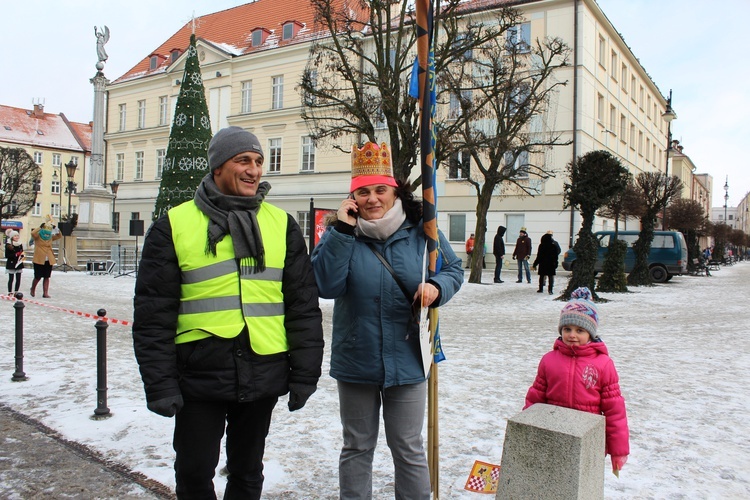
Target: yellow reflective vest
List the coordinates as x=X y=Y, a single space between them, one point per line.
x=215 y=299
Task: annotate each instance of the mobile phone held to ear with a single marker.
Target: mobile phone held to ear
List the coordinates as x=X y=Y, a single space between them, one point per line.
x=352 y=212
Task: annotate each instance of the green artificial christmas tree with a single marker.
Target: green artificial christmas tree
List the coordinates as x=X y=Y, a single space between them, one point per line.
x=186 y=162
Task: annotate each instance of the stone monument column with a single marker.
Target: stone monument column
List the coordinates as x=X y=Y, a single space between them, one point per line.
x=95 y=201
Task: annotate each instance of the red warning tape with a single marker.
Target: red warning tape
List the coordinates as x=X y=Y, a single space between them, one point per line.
x=70 y=311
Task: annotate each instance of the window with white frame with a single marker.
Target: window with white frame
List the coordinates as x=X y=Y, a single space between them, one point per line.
x=623 y=128
x=247 y=96
x=142 y=114
x=38 y=157
x=119 y=166
x=613 y=120
x=640 y=142
x=457 y=227
x=613 y=65
x=277 y=92
x=38 y=186
x=308 y=154
x=648 y=148
x=519 y=37
x=460 y=165
x=602 y=51
x=274 y=155
x=287 y=31
x=640 y=96
x=633 y=85
x=55 y=186
x=161 y=155
x=600 y=108
x=56 y=159
x=303 y=219
x=309 y=97
x=138 y=175
x=624 y=78
x=257 y=37
x=632 y=136
x=54 y=210
x=520 y=164
x=123 y=116
x=74 y=159
x=163 y=110
x=36 y=210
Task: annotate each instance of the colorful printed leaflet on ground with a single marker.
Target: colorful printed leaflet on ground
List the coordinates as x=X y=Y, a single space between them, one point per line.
x=483 y=478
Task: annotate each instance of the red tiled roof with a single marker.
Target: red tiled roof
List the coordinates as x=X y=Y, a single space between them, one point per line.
x=36 y=128
x=231 y=31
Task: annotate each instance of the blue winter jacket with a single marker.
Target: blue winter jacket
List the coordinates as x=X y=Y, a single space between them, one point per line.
x=375 y=340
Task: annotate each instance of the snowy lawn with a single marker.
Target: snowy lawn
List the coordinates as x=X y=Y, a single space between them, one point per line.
x=679 y=347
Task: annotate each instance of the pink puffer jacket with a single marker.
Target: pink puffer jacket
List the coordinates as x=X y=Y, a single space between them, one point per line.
x=584 y=378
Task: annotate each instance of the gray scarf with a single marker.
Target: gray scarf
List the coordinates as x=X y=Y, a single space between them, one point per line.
x=237 y=216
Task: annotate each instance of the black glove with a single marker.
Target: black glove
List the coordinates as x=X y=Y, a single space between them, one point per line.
x=299 y=394
x=166 y=407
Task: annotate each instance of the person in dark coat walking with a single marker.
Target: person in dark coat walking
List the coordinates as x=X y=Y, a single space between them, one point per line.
x=546 y=261
x=498 y=250
x=522 y=252
x=226 y=320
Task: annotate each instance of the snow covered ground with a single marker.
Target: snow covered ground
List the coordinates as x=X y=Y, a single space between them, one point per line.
x=680 y=349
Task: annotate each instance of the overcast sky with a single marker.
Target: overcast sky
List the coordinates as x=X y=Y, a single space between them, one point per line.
x=692 y=47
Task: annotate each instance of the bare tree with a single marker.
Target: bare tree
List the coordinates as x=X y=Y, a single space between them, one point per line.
x=19 y=176
x=658 y=189
x=356 y=84
x=498 y=101
x=688 y=217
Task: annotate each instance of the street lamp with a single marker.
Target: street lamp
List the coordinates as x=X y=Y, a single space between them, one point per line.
x=726 y=198
x=668 y=116
x=114 y=185
x=70 y=169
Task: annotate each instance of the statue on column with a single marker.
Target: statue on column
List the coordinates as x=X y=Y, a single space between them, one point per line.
x=102 y=37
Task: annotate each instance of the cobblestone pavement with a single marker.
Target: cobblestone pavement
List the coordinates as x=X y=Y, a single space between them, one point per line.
x=36 y=462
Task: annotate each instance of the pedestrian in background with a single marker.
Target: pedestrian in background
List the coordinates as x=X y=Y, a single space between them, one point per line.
x=546 y=260
x=469 y=250
x=14 y=257
x=521 y=253
x=44 y=257
x=498 y=250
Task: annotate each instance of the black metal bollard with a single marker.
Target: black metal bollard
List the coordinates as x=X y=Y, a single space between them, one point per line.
x=19 y=375
x=101 y=366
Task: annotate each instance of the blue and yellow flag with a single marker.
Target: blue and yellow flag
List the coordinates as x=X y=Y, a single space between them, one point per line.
x=423 y=87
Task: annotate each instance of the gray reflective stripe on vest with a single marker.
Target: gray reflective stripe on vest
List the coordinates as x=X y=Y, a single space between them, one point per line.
x=209 y=305
x=230 y=303
x=258 y=310
x=270 y=274
x=209 y=272
x=228 y=267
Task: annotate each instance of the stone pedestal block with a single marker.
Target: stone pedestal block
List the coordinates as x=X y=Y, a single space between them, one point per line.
x=552 y=452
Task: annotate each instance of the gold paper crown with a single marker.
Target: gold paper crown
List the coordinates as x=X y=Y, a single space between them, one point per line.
x=371 y=159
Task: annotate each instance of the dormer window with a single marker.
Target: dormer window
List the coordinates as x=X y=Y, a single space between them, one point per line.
x=290 y=29
x=259 y=36
x=175 y=54
x=154 y=62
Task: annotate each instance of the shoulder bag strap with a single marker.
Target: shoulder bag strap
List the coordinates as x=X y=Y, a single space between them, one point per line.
x=409 y=297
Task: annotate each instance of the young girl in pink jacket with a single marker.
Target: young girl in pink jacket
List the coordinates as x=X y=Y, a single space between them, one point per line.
x=578 y=373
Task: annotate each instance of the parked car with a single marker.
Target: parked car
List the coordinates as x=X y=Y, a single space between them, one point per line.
x=668 y=256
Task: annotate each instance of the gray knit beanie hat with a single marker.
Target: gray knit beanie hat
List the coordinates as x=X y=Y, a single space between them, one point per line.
x=229 y=142
x=580 y=311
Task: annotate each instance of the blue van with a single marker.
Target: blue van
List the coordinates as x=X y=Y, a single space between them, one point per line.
x=668 y=256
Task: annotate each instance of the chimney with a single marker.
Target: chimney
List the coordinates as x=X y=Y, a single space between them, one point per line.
x=38 y=110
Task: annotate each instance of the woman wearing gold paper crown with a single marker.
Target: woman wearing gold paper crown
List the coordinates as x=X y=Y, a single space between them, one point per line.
x=44 y=257
x=375 y=353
